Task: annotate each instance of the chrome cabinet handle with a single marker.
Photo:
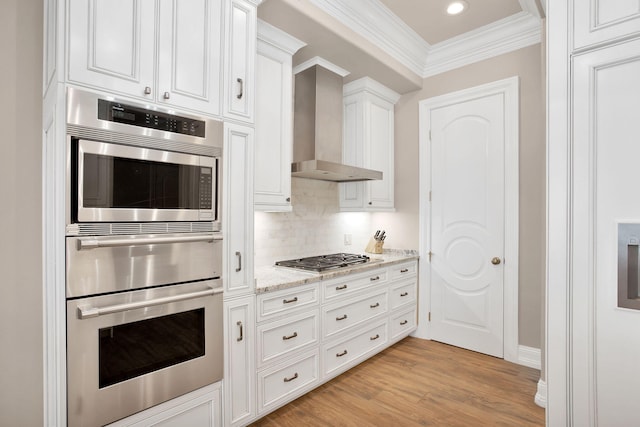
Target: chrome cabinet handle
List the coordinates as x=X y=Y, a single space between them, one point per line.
x=404 y=294
x=289 y=301
x=92 y=242
x=239 y=255
x=404 y=322
x=239 y=95
x=373 y=279
x=147 y=90
x=341 y=317
x=341 y=354
x=285 y=337
x=376 y=305
x=375 y=337
x=166 y=95
x=404 y=270
x=241 y=337
x=286 y=380
x=85 y=312
x=339 y=288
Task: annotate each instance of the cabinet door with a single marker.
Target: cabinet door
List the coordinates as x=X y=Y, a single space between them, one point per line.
x=240 y=361
x=237 y=210
x=352 y=193
x=112 y=45
x=379 y=153
x=240 y=55
x=274 y=129
x=189 y=54
x=604 y=20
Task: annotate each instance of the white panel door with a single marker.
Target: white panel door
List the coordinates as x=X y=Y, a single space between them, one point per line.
x=606 y=131
x=189 y=54
x=112 y=45
x=467 y=224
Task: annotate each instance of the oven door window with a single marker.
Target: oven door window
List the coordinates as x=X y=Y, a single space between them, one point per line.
x=118 y=182
x=133 y=349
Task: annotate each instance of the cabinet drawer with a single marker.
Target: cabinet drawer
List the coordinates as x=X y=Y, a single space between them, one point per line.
x=403 y=270
x=276 y=339
x=403 y=323
x=286 y=381
x=273 y=304
x=339 y=317
x=346 y=286
x=403 y=293
x=339 y=356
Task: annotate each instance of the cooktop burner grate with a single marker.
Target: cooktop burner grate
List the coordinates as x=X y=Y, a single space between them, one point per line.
x=324 y=262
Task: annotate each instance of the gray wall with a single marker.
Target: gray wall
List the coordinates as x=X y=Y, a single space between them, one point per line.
x=402 y=226
x=21 y=328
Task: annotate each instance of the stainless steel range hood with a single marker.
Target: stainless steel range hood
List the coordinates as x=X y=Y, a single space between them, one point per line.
x=317 y=129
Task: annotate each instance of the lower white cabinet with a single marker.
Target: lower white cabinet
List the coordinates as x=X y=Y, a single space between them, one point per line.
x=202 y=408
x=308 y=334
x=239 y=362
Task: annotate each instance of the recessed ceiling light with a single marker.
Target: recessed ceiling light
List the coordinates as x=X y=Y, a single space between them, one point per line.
x=457 y=7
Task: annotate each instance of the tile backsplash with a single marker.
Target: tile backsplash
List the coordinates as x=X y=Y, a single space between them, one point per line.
x=314 y=227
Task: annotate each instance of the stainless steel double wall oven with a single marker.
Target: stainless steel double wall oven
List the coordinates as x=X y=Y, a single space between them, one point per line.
x=143 y=256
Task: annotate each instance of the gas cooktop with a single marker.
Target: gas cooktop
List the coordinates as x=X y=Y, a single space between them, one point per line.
x=324 y=262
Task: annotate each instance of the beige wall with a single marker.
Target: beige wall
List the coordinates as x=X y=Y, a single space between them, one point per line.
x=21 y=329
x=402 y=226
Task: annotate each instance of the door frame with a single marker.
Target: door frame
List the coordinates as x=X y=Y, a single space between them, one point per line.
x=509 y=89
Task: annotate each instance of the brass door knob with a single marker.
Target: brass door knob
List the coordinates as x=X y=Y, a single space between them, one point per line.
x=496 y=260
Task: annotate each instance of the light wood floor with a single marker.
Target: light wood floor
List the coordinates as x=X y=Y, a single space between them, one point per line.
x=420 y=383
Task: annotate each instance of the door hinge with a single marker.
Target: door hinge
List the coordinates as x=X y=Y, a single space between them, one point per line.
x=429 y=316
x=429 y=195
x=430 y=253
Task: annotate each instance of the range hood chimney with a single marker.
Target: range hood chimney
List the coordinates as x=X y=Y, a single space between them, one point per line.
x=317 y=129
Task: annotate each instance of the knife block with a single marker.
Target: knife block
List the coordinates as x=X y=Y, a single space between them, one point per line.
x=374 y=246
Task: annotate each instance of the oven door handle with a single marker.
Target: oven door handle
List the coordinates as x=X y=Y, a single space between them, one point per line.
x=92 y=243
x=87 y=312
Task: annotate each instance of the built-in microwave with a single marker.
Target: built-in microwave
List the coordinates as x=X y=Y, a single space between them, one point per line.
x=130 y=163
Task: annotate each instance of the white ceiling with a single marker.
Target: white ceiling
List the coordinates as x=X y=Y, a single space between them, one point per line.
x=401 y=42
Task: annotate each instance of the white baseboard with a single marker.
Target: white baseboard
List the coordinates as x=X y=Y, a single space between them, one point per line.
x=541 y=395
x=529 y=356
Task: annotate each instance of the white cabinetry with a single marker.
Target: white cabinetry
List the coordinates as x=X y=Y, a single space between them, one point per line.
x=240 y=53
x=168 y=51
x=240 y=364
x=305 y=339
x=368 y=141
x=604 y=20
x=274 y=118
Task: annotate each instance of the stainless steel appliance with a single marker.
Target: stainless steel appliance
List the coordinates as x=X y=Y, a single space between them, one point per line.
x=325 y=262
x=130 y=163
x=143 y=257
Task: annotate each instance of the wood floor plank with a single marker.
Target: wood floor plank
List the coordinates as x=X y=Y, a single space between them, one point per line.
x=420 y=383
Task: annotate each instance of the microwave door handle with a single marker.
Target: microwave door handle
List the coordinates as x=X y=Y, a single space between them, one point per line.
x=92 y=243
x=87 y=312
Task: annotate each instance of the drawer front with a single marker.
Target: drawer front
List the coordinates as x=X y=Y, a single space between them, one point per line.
x=403 y=323
x=403 y=293
x=339 y=356
x=403 y=270
x=274 y=304
x=339 y=317
x=351 y=284
x=287 y=381
x=277 y=339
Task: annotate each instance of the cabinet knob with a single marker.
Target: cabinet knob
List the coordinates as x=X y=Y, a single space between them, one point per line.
x=370 y=203
x=166 y=95
x=288 y=199
x=147 y=90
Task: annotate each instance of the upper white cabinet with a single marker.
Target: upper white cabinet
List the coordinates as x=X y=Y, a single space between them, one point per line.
x=368 y=142
x=274 y=118
x=604 y=20
x=240 y=53
x=167 y=52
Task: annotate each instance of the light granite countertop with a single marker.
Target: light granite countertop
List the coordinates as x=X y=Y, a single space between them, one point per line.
x=274 y=278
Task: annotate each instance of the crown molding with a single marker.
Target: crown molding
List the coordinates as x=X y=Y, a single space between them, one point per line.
x=367 y=84
x=384 y=29
x=316 y=60
x=375 y=22
x=278 y=38
x=509 y=34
